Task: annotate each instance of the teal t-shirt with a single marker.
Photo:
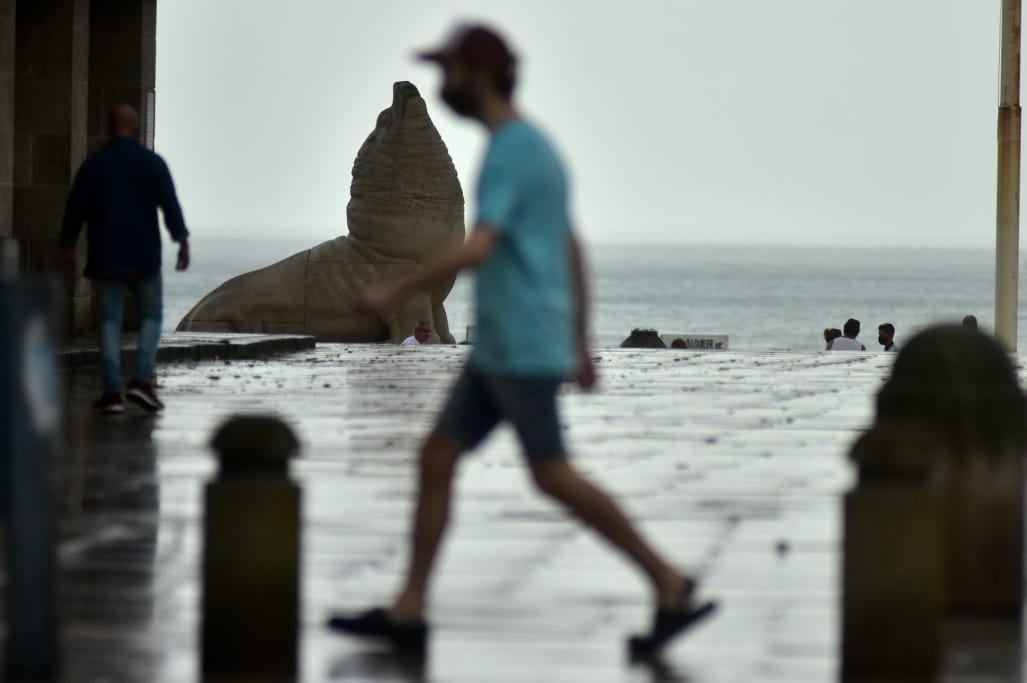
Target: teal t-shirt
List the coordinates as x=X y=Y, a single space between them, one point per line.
x=523 y=291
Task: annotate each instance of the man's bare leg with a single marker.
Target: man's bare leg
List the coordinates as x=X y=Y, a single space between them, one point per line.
x=559 y=480
x=438 y=460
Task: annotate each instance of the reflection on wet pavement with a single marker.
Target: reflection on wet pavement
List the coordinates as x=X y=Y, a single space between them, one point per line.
x=732 y=462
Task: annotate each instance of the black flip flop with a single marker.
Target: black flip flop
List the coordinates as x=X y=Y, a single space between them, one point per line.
x=376 y=624
x=667 y=625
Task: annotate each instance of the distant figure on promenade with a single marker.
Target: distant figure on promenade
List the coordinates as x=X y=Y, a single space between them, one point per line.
x=830 y=334
x=420 y=336
x=117 y=192
x=848 y=340
x=970 y=322
x=886 y=337
x=532 y=323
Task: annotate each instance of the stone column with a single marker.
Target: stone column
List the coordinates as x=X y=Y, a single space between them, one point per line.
x=6 y=116
x=122 y=63
x=50 y=95
x=122 y=70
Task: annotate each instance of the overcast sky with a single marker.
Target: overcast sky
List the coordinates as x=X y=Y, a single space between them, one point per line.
x=847 y=122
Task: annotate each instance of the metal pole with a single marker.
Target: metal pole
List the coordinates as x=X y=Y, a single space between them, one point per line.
x=1007 y=234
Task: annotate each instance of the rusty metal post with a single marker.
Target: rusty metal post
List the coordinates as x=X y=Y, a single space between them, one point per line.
x=1007 y=237
x=251 y=553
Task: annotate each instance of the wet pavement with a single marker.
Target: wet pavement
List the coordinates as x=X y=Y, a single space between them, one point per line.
x=733 y=463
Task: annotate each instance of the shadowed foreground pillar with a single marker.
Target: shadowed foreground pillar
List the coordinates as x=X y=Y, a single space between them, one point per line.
x=30 y=418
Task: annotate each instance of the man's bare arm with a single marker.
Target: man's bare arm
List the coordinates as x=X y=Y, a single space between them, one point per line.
x=474 y=251
x=579 y=287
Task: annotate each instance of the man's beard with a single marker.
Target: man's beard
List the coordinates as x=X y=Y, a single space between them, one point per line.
x=462 y=102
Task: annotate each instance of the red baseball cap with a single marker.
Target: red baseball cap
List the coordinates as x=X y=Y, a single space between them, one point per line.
x=475 y=45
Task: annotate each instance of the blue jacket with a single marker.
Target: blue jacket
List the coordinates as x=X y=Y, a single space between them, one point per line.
x=117 y=192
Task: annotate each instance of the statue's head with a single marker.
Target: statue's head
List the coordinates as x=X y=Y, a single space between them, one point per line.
x=405 y=197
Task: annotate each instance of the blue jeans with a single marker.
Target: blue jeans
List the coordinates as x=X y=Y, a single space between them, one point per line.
x=150 y=300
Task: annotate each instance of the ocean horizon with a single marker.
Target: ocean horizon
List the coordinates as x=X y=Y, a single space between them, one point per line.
x=765 y=298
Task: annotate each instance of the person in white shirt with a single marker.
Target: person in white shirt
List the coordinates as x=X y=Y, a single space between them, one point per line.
x=886 y=337
x=420 y=335
x=848 y=341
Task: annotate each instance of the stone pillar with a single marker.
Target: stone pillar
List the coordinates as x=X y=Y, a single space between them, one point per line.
x=122 y=70
x=122 y=63
x=50 y=95
x=7 y=35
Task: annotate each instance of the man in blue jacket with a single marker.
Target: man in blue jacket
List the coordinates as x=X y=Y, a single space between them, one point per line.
x=116 y=193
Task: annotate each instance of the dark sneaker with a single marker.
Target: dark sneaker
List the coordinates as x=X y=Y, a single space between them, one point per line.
x=109 y=404
x=144 y=396
x=376 y=623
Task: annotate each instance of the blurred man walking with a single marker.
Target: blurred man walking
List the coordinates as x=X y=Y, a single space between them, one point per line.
x=532 y=334
x=117 y=192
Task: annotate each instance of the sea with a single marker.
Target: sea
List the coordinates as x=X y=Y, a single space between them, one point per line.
x=762 y=298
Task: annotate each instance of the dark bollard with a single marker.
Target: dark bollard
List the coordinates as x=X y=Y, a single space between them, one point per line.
x=30 y=419
x=950 y=431
x=893 y=581
x=251 y=553
x=960 y=385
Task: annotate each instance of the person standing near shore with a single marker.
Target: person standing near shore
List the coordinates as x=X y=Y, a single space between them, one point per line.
x=117 y=192
x=532 y=322
x=886 y=337
x=848 y=340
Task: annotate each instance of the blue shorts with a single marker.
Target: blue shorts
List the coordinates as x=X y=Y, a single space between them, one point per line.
x=480 y=401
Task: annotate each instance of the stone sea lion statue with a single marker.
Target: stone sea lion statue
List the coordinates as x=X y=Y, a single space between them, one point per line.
x=405 y=206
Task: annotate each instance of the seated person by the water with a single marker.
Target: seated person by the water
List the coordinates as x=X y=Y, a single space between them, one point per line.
x=830 y=334
x=970 y=322
x=420 y=335
x=848 y=340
